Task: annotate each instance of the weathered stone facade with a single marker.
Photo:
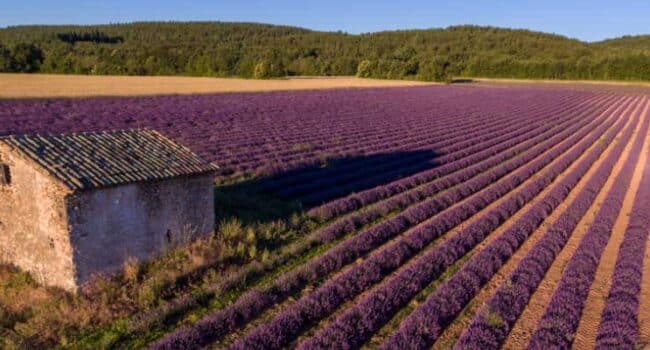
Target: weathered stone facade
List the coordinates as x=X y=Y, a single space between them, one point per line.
x=63 y=235
x=34 y=222
x=109 y=226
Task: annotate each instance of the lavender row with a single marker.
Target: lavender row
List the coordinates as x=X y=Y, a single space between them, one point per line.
x=336 y=186
x=451 y=141
x=218 y=126
x=558 y=325
x=357 y=323
x=619 y=325
x=490 y=327
x=393 y=159
x=279 y=165
x=349 y=121
x=354 y=126
x=191 y=116
x=227 y=110
x=404 y=200
x=222 y=322
x=355 y=143
x=425 y=325
x=353 y=146
x=388 y=169
x=443 y=127
x=468 y=169
x=361 y=219
x=451 y=163
x=419 y=125
x=290 y=321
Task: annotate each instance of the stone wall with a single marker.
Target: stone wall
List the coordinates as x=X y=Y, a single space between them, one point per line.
x=109 y=226
x=62 y=237
x=33 y=222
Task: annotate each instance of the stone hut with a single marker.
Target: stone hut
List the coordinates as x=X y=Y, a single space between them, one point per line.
x=74 y=205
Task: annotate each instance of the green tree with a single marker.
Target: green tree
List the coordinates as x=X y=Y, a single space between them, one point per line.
x=6 y=61
x=434 y=70
x=26 y=58
x=364 y=69
x=263 y=70
x=404 y=53
x=271 y=66
x=151 y=65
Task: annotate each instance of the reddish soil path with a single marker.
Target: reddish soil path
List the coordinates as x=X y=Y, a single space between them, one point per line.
x=522 y=330
x=453 y=331
x=379 y=336
x=644 y=301
x=644 y=296
x=595 y=303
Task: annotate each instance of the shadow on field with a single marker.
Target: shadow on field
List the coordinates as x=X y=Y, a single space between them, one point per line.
x=281 y=196
x=462 y=81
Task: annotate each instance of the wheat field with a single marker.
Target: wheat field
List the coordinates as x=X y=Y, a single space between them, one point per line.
x=51 y=85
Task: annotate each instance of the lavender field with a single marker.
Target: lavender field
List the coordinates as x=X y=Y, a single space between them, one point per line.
x=445 y=217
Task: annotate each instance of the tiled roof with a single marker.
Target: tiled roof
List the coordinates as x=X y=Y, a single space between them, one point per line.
x=95 y=160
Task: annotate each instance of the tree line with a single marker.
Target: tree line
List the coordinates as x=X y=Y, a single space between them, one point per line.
x=265 y=51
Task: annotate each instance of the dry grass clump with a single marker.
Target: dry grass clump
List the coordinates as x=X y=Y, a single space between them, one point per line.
x=34 y=316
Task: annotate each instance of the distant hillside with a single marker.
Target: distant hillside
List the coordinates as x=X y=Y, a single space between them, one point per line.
x=264 y=51
x=638 y=43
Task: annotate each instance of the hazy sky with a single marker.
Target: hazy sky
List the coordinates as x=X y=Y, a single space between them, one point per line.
x=582 y=19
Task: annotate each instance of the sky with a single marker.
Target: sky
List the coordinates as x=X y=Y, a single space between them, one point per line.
x=586 y=20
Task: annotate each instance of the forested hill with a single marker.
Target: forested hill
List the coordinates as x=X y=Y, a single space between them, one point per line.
x=264 y=51
x=638 y=43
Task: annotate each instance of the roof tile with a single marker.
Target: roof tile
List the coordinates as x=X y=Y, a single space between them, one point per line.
x=95 y=160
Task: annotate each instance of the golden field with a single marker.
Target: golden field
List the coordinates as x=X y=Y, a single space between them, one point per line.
x=50 y=85
x=615 y=86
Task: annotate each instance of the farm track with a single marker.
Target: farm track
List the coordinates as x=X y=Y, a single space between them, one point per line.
x=435 y=218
